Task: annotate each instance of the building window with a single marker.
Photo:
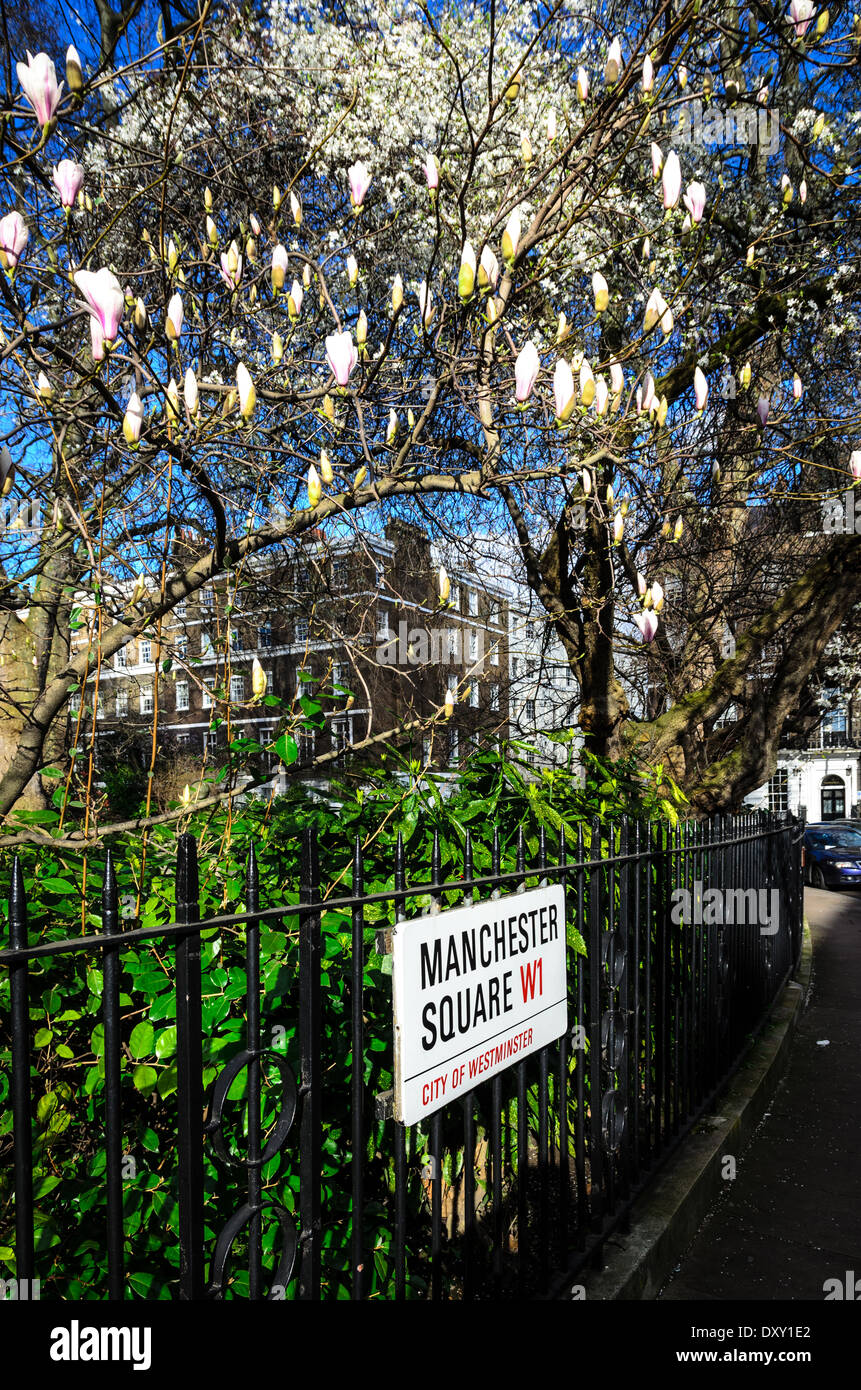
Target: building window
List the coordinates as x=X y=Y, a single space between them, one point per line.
x=341 y=734
x=515 y=668
x=833 y=791
x=208 y=599
x=454 y=596
x=75 y=702
x=210 y=742
x=181 y=648
x=778 y=791
x=120 y=659
x=237 y=689
x=382 y=621
x=182 y=740
x=122 y=702
x=473 y=646
x=146 y=700
x=181 y=608
x=494 y=697
x=379 y=573
x=303 y=679
x=473 y=695
x=206 y=696
x=206 y=647
x=341 y=574
x=427 y=750
x=100 y=709
x=264 y=635
x=494 y=654
x=307 y=745
x=453 y=644
x=237 y=641
x=529 y=711
x=301 y=629
x=493 y=611
x=182 y=695
x=145 y=652
x=452 y=745
x=473 y=601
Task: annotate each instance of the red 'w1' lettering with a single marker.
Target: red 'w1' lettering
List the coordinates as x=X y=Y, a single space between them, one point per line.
x=529 y=976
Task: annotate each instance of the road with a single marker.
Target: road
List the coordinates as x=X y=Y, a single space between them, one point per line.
x=791 y=1218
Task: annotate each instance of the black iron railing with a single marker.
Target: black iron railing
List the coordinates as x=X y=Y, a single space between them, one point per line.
x=689 y=935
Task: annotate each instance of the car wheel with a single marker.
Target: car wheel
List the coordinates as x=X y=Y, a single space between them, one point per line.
x=817 y=877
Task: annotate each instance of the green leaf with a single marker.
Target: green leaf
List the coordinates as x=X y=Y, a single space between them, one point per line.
x=165 y=1043
x=145 y=1080
x=287 y=749
x=43 y=1037
x=140 y=1042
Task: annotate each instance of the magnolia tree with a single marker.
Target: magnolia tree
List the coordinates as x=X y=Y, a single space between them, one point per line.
x=571 y=276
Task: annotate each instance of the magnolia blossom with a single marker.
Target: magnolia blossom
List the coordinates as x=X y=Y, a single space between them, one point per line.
x=279 y=266
x=360 y=182
x=855 y=464
x=656 y=312
x=105 y=300
x=342 y=356
x=247 y=392
x=695 y=201
x=431 y=169
x=13 y=238
x=551 y=126
x=511 y=236
x=657 y=596
x=466 y=274
x=618 y=528
x=133 y=420
x=526 y=370
x=800 y=12
x=97 y=339
x=231 y=267
x=683 y=77
x=175 y=315
x=294 y=300
x=425 y=299
x=38 y=78
x=296 y=209
x=587 y=383
x=352 y=271
x=671 y=180
x=488 y=269
x=68 y=178
x=259 y=680
x=641 y=584
x=701 y=388
x=602 y=395
x=315 y=488
x=326 y=471
x=797 y=386
x=657 y=160
x=617 y=379
x=74 y=69
x=648 y=74
x=762 y=408
x=614 y=62
x=443 y=584
x=172 y=401
x=601 y=291
x=563 y=391
x=648 y=391
x=647 y=622
x=190 y=392
x=802 y=190
x=582 y=84
x=397 y=293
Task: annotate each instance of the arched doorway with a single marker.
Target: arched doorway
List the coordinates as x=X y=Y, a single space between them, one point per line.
x=833 y=798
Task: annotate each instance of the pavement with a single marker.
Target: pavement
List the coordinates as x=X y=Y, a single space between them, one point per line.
x=791 y=1217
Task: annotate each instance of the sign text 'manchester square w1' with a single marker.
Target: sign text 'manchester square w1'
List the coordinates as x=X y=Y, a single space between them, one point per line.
x=475 y=989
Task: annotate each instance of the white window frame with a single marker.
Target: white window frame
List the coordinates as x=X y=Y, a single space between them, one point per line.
x=182 y=695
x=147 y=699
x=237 y=688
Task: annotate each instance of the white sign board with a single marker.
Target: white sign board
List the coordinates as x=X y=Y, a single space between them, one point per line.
x=475 y=989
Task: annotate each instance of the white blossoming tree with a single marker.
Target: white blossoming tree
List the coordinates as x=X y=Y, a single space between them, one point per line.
x=571 y=274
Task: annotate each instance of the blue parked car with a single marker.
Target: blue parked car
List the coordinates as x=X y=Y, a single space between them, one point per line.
x=832 y=856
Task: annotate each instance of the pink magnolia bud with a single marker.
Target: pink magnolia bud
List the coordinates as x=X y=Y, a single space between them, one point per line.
x=175 y=315
x=255 y=225
x=647 y=622
x=701 y=388
x=105 y=300
x=614 y=63
x=762 y=409
x=601 y=291
x=855 y=464
x=797 y=386
x=617 y=379
x=13 y=238
x=425 y=303
x=231 y=267
x=648 y=74
x=38 y=78
x=563 y=391
x=431 y=169
x=466 y=274
x=68 y=178
x=582 y=84
x=97 y=339
x=247 y=392
x=800 y=12
x=802 y=190
x=488 y=269
x=683 y=77
x=657 y=160
x=648 y=391
x=641 y=584
x=526 y=370
x=133 y=420
x=342 y=356
x=671 y=180
x=294 y=300
x=695 y=201
x=360 y=181
x=602 y=395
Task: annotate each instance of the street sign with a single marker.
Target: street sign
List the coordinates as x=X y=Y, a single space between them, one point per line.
x=475 y=989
